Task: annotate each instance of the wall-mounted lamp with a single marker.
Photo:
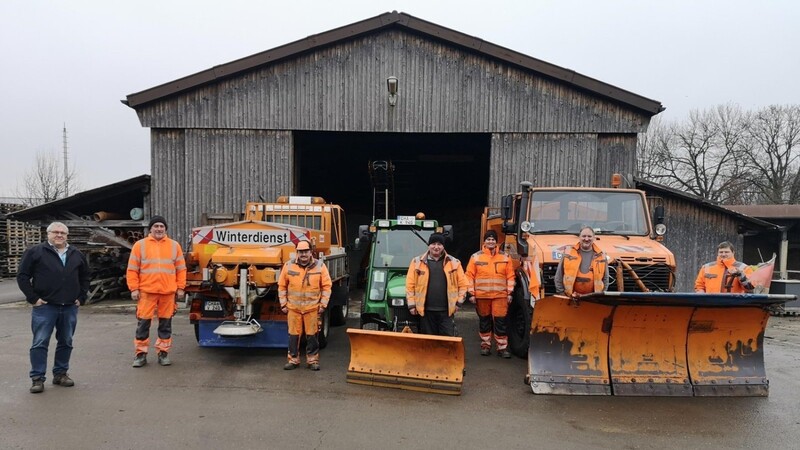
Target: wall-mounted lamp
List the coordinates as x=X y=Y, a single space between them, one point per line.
x=391 y=86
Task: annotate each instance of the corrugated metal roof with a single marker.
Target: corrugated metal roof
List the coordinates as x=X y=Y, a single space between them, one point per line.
x=140 y=183
x=409 y=23
x=768 y=211
x=649 y=186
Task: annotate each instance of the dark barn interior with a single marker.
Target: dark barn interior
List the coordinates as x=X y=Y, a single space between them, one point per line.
x=446 y=176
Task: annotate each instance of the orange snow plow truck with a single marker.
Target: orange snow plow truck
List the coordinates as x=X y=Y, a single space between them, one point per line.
x=639 y=337
x=233 y=270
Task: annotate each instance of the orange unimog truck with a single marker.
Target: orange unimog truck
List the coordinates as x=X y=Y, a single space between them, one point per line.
x=233 y=269
x=638 y=337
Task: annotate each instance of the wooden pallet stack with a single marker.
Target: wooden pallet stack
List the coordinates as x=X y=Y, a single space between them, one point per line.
x=13 y=240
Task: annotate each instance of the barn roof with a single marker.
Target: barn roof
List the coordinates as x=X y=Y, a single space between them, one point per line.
x=411 y=24
x=651 y=187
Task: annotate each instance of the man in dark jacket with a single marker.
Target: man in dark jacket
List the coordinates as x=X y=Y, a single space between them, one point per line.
x=55 y=279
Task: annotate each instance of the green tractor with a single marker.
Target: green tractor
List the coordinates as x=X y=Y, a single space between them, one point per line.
x=393 y=244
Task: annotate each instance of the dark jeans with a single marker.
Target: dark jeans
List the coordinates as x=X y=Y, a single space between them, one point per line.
x=44 y=318
x=437 y=322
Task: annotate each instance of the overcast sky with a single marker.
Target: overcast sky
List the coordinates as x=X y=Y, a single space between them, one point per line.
x=71 y=62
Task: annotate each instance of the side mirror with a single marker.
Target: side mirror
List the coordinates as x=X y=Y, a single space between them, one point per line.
x=447 y=231
x=659 y=214
x=506 y=203
x=363 y=232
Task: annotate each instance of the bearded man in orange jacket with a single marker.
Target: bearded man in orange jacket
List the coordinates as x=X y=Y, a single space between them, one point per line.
x=304 y=290
x=156 y=277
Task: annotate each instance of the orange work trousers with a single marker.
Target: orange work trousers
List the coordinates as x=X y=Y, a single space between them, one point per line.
x=148 y=306
x=300 y=323
x=492 y=314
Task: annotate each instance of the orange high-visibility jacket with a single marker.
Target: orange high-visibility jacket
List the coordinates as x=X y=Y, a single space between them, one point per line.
x=156 y=266
x=490 y=276
x=417 y=282
x=572 y=264
x=712 y=277
x=304 y=288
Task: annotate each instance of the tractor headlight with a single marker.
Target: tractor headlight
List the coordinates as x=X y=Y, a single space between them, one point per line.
x=398 y=302
x=525 y=226
x=661 y=229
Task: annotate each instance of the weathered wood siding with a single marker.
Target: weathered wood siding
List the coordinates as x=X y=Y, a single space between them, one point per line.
x=693 y=234
x=441 y=89
x=557 y=159
x=216 y=171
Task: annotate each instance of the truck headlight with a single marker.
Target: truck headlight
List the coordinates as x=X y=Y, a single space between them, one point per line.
x=525 y=226
x=661 y=229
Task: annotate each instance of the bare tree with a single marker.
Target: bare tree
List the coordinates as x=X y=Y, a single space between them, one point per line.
x=46 y=180
x=702 y=155
x=773 y=154
x=651 y=151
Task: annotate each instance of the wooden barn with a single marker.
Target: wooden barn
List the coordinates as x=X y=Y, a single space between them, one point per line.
x=695 y=227
x=462 y=120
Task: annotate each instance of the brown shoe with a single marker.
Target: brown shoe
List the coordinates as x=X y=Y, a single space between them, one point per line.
x=63 y=379
x=37 y=386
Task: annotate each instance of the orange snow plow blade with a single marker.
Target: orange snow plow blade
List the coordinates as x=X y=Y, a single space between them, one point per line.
x=647 y=351
x=650 y=344
x=726 y=352
x=417 y=362
x=568 y=351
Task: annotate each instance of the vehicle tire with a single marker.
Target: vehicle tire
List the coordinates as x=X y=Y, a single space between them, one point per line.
x=339 y=313
x=519 y=319
x=197 y=332
x=322 y=336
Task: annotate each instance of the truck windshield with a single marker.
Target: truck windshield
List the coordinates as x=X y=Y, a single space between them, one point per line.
x=609 y=212
x=396 y=248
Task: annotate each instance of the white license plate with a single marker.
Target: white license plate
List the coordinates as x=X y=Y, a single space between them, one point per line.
x=212 y=306
x=405 y=220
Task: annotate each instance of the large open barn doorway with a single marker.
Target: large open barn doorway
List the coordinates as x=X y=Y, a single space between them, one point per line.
x=446 y=176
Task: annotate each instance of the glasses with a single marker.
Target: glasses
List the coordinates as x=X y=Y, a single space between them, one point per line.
x=58 y=232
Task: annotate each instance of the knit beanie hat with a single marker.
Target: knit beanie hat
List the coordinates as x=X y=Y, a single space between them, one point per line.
x=155 y=220
x=436 y=237
x=490 y=234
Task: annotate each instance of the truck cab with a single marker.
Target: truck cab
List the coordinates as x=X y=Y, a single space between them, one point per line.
x=540 y=224
x=233 y=270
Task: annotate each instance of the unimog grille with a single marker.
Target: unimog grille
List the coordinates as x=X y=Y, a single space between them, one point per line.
x=656 y=277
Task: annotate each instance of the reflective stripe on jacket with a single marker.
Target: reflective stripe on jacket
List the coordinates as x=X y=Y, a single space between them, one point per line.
x=490 y=275
x=712 y=277
x=417 y=282
x=304 y=288
x=572 y=264
x=156 y=266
